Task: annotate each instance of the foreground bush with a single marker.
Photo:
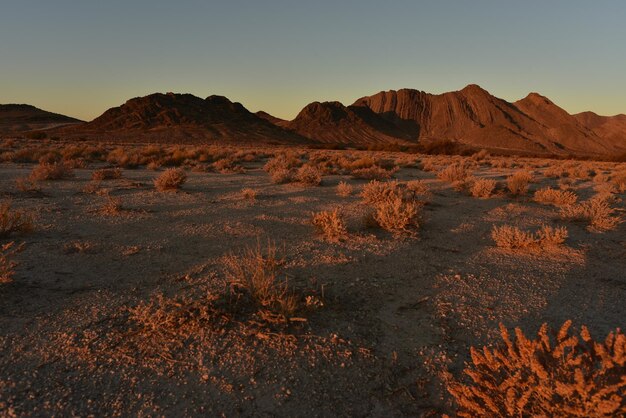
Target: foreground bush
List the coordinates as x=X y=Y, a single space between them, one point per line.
x=12 y=221
x=170 y=179
x=106 y=174
x=483 y=188
x=344 y=189
x=7 y=264
x=514 y=238
x=562 y=376
x=373 y=173
x=596 y=212
x=453 y=173
x=549 y=196
x=51 y=171
x=309 y=175
x=330 y=224
x=518 y=182
x=394 y=214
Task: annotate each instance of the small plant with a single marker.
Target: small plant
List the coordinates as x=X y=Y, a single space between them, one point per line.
x=596 y=212
x=281 y=175
x=7 y=265
x=51 y=171
x=518 y=182
x=619 y=180
x=549 y=196
x=106 y=174
x=331 y=225
x=373 y=173
x=12 y=221
x=483 y=188
x=418 y=187
x=565 y=375
x=255 y=273
x=344 y=189
x=394 y=214
x=511 y=237
x=375 y=191
x=309 y=175
x=249 y=194
x=453 y=173
x=170 y=179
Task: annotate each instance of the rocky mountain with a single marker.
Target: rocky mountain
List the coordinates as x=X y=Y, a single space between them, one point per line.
x=20 y=118
x=611 y=128
x=181 y=118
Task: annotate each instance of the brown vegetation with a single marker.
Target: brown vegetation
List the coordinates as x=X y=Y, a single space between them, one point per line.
x=550 y=196
x=511 y=237
x=170 y=179
x=7 y=263
x=12 y=221
x=331 y=225
x=518 y=182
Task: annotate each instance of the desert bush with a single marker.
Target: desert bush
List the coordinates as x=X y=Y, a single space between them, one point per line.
x=375 y=191
x=106 y=174
x=597 y=212
x=227 y=166
x=619 y=180
x=330 y=224
x=51 y=171
x=344 y=189
x=562 y=375
x=511 y=237
x=518 y=182
x=255 y=273
x=418 y=187
x=126 y=158
x=7 y=262
x=12 y=221
x=373 y=173
x=453 y=173
x=281 y=175
x=483 y=188
x=112 y=206
x=170 y=179
x=24 y=184
x=394 y=214
x=549 y=196
x=309 y=175
x=249 y=194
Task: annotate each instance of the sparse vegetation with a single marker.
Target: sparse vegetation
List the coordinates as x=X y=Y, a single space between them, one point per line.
x=106 y=174
x=518 y=182
x=453 y=173
x=483 y=188
x=511 y=237
x=564 y=375
x=51 y=171
x=7 y=262
x=170 y=179
x=13 y=221
x=549 y=196
x=331 y=225
x=344 y=189
x=309 y=175
x=249 y=194
x=596 y=212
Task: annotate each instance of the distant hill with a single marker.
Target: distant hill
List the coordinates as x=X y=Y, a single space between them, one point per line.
x=179 y=118
x=20 y=118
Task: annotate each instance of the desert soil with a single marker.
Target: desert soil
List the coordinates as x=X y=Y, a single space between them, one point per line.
x=394 y=311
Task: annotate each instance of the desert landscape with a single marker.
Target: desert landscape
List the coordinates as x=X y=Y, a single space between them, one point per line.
x=208 y=280
x=313 y=209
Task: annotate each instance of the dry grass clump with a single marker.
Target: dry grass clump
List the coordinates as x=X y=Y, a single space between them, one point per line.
x=453 y=173
x=7 y=265
x=483 y=188
x=597 y=212
x=249 y=194
x=228 y=166
x=550 y=196
x=518 y=182
x=418 y=187
x=375 y=191
x=562 y=375
x=344 y=189
x=12 y=221
x=309 y=175
x=112 y=206
x=331 y=225
x=51 y=171
x=106 y=174
x=26 y=185
x=395 y=210
x=619 y=180
x=254 y=275
x=511 y=237
x=170 y=179
x=373 y=173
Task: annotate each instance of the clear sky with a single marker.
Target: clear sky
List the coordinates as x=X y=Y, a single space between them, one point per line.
x=80 y=57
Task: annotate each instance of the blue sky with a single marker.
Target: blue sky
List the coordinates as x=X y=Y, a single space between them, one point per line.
x=81 y=57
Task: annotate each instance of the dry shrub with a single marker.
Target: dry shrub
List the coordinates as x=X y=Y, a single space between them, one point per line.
x=597 y=212
x=373 y=173
x=511 y=237
x=344 y=189
x=112 y=206
x=26 y=185
x=394 y=214
x=562 y=375
x=309 y=175
x=550 y=196
x=418 y=187
x=375 y=191
x=12 y=221
x=281 y=175
x=518 y=182
x=331 y=225
x=228 y=166
x=249 y=194
x=254 y=274
x=170 y=179
x=619 y=180
x=483 y=188
x=453 y=173
x=7 y=265
x=51 y=171
x=106 y=174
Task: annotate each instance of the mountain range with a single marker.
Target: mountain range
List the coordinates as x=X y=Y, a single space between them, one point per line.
x=471 y=116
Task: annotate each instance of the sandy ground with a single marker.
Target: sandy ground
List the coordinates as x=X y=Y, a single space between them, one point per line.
x=396 y=311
